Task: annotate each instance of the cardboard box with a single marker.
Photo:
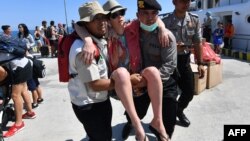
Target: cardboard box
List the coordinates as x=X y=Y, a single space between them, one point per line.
x=199 y=84
x=214 y=74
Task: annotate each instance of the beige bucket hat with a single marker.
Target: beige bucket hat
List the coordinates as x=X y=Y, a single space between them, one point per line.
x=88 y=11
x=113 y=6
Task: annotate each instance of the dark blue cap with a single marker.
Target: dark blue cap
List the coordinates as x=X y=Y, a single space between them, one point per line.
x=148 y=5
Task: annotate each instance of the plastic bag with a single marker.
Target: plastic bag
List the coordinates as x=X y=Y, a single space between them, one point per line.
x=209 y=54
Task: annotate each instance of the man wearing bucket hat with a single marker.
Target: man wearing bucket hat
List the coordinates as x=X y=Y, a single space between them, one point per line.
x=90 y=101
x=92 y=107
x=186 y=28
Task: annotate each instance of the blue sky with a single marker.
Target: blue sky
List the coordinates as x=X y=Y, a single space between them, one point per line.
x=32 y=12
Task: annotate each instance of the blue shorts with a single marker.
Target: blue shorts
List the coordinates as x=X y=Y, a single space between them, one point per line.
x=33 y=84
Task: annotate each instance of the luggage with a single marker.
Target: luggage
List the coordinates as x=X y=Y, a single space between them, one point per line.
x=44 y=51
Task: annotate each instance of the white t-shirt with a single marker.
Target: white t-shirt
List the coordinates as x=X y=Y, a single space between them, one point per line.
x=80 y=93
x=19 y=62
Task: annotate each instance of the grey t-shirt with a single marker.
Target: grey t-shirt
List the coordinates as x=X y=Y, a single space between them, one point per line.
x=163 y=58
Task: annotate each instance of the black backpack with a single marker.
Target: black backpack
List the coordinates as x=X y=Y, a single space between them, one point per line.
x=48 y=32
x=39 y=69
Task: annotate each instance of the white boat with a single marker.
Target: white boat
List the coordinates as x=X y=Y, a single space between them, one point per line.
x=224 y=10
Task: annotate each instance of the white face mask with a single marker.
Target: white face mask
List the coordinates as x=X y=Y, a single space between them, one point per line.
x=149 y=28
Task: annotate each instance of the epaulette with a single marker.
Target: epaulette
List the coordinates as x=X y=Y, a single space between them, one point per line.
x=166 y=14
x=192 y=14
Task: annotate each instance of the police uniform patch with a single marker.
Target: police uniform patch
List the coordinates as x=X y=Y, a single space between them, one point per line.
x=192 y=14
x=141 y=4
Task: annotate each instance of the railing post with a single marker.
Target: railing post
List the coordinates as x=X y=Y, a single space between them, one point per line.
x=66 y=17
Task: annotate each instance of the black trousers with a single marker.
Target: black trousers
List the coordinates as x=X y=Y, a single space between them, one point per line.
x=207 y=32
x=169 y=106
x=227 y=43
x=96 y=119
x=185 y=81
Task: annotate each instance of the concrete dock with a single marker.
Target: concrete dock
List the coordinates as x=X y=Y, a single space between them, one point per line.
x=227 y=103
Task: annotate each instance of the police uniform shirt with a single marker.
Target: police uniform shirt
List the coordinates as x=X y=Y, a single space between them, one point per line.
x=163 y=58
x=185 y=30
x=80 y=92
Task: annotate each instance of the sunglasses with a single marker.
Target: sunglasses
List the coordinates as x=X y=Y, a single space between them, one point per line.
x=118 y=13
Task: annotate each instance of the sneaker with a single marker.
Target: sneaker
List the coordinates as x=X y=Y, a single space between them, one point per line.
x=13 y=130
x=34 y=105
x=28 y=115
x=39 y=100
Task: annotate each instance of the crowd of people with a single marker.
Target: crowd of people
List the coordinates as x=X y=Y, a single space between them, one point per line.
x=221 y=35
x=20 y=73
x=141 y=62
x=48 y=36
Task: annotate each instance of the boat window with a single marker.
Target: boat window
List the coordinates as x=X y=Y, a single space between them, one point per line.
x=199 y=4
x=248 y=19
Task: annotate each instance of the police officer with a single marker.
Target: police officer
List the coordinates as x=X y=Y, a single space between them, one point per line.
x=207 y=31
x=186 y=28
x=164 y=59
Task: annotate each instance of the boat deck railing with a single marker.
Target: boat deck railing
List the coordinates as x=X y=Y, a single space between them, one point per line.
x=241 y=42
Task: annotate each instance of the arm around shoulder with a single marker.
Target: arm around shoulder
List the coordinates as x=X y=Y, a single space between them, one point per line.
x=88 y=50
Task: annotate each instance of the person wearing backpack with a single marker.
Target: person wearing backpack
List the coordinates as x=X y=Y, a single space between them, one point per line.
x=52 y=35
x=31 y=83
x=21 y=71
x=34 y=86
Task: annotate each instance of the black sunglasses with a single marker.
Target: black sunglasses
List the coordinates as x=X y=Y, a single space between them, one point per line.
x=118 y=13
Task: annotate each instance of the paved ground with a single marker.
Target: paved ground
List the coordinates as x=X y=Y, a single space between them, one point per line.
x=227 y=103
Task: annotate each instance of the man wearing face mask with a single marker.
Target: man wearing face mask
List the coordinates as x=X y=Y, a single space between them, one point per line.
x=186 y=28
x=164 y=59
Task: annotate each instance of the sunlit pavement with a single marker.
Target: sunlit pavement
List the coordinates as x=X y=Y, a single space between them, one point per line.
x=227 y=103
